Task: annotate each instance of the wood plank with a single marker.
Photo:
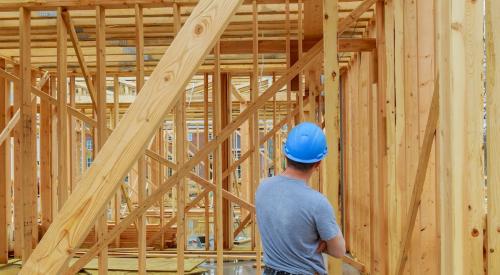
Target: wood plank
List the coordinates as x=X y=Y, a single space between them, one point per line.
x=4 y=168
x=493 y=134
x=181 y=154
x=217 y=122
x=63 y=179
x=419 y=180
x=102 y=132
x=27 y=155
x=331 y=178
x=81 y=58
x=46 y=177
x=461 y=137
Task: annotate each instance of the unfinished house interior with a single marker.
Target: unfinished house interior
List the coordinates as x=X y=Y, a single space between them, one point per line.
x=134 y=133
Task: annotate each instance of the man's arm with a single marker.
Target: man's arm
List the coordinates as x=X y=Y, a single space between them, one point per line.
x=333 y=242
x=335 y=247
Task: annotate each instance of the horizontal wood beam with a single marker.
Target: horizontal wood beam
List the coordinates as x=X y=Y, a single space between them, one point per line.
x=108 y=4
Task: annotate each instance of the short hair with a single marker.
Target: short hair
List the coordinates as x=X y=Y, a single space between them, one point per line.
x=301 y=166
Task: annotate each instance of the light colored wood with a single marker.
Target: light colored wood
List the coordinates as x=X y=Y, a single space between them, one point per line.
x=4 y=167
x=254 y=133
x=460 y=66
x=354 y=15
x=493 y=134
x=102 y=133
x=62 y=124
x=180 y=131
x=217 y=121
x=203 y=152
x=9 y=126
x=73 y=136
x=332 y=117
x=26 y=141
x=46 y=177
x=141 y=163
x=79 y=54
x=419 y=180
x=207 y=165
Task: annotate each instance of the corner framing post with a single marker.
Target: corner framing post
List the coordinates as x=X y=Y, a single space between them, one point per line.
x=141 y=163
x=332 y=121
x=102 y=130
x=493 y=133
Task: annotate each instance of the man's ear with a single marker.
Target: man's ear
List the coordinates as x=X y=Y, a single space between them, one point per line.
x=316 y=165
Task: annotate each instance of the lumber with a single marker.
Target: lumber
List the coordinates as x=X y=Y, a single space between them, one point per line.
x=493 y=135
x=4 y=165
x=217 y=128
x=419 y=179
x=26 y=141
x=62 y=125
x=68 y=229
x=460 y=67
x=354 y=15
x=79 y=54
x=9 y=126
x=332 y=116
x=180 y=143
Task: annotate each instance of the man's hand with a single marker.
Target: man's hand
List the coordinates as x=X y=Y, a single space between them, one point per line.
x=321 y=247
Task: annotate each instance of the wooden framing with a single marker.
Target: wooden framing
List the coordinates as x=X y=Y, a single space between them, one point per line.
x=198 y=117
x=203 y=35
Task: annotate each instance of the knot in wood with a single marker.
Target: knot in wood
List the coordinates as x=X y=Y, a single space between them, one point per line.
x=168 y=76
x=475 y=232
x=198 y=29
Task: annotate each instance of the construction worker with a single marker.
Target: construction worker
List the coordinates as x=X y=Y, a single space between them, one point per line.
x=297 y=224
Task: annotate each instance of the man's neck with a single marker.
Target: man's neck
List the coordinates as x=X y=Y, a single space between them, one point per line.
x=296 y=174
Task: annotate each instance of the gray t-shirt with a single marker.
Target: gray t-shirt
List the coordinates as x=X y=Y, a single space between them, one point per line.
x=292 y=219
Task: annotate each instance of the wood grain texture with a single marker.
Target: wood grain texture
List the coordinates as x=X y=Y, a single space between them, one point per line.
x=121 y=150
x=493 y=132
x=331 y=175
x=461 y=136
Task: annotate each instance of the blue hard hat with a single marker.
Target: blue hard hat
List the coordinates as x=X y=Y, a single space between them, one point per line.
x=306 y=143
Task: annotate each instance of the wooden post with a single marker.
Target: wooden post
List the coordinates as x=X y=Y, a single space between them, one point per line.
x=116 y=114
x=72 y=136
x=461 y=179
x=332 y=121
x=493 y=132
x=254 y=133
x=27 y=157
x=180 y=131
x=102 y=130
x=207 y=163
x=216 y=97
x=46 y=178
x=141 y=163
x=62 y=124
x=225 y=98
x=4 y=176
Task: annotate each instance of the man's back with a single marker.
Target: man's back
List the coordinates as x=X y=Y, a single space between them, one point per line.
x=292 y=219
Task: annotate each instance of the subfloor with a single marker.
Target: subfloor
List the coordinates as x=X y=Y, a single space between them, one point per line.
x=208 y=267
